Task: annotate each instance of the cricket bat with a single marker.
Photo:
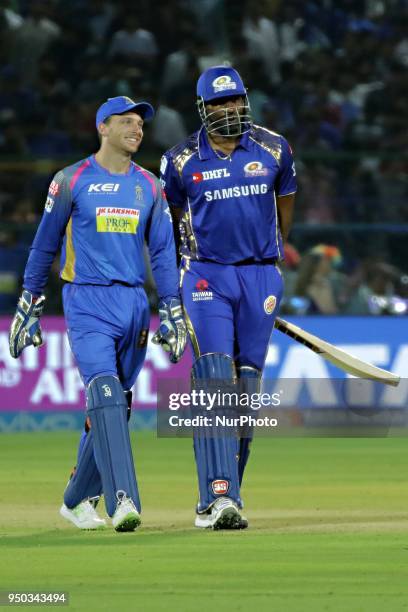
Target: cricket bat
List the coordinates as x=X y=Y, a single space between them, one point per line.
x=336 y=356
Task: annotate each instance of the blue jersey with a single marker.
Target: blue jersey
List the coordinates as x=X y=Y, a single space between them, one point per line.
x=102 y=220
x=229 y=204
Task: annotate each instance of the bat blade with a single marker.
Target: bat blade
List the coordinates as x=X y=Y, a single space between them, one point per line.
x=341 y=359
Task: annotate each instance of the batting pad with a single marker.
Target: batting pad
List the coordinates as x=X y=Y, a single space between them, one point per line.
x=216 y=451
x=86 y=481
x=107 y=409
x=250 y=382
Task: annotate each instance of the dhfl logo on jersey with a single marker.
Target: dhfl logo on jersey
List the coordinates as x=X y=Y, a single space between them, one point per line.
x=202 y=285
x=269 y=304
x=208 y=175
x=220 y=487
x=255 y=168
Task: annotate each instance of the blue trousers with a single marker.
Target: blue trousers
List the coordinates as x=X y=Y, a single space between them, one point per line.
x=231 y=309
x=107 y=330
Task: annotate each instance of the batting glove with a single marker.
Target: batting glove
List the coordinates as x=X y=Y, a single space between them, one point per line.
x=25 y=327
x=172 y=333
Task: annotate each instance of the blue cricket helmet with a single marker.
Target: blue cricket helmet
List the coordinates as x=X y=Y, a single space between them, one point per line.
x=223 y=82
x=220 y=82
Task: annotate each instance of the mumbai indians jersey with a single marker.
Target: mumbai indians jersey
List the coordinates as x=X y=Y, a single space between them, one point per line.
x=102 y=220
x=230 y=213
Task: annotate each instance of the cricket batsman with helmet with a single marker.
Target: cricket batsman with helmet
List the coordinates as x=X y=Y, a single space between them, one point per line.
x=102 y=209
x=231 y=185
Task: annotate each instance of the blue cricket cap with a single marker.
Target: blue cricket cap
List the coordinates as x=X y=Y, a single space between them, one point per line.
x=219 y=82
x=123 y=104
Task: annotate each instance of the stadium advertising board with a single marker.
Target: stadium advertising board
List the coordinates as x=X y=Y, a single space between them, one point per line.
x=46 y=381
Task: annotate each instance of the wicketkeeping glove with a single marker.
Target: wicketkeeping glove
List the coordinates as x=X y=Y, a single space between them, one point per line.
x=172 y=333
x=25 y=327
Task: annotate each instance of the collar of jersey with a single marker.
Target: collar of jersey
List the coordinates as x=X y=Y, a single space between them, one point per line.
x=105 y=171
x=205 y=150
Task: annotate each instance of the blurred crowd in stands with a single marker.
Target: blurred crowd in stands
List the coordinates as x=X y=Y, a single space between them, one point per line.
x=331 y=75
x=316 y=283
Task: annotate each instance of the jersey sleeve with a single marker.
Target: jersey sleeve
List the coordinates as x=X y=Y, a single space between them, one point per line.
x=286 y=182
x=171 y=182
x=47 y=241
x=160 y=240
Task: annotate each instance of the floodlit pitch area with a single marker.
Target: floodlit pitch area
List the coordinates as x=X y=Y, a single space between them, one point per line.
x=328 y=529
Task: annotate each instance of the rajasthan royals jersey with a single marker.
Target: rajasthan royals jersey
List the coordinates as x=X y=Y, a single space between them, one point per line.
x=229 y=204
x=102 y=220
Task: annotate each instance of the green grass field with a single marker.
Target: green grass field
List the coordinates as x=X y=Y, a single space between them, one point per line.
x=328 y=529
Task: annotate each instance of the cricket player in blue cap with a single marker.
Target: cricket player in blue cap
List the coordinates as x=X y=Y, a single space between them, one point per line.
x=102 y=209
x=231 y=186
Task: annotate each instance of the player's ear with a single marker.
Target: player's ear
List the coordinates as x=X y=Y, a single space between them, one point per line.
x=103 y=128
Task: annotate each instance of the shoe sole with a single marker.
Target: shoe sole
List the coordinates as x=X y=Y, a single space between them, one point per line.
x=78 y=525
x=201 y=524
x=230 y=519
x=129 y=523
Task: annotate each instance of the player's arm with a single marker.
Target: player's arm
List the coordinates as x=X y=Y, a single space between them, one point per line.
x=176 y=214
x=285 y=190
x=175 y=194
x=25 y=327
x=172 y=333
x=160 y=240
x=285 y=206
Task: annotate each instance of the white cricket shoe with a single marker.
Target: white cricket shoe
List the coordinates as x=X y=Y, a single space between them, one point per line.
x=83 y=516
x=223 y=514
x=126 y=517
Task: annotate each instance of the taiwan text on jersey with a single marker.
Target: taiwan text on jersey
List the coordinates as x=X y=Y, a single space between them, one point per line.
x=229 y=205
x=103 y=220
